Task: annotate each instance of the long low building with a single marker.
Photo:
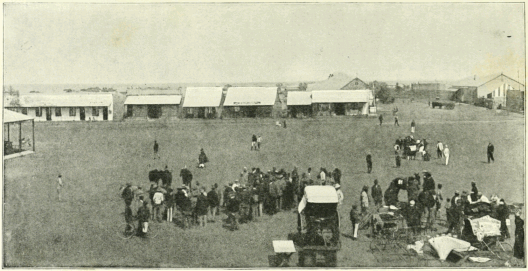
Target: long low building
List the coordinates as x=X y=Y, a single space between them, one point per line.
x=299 y=103
x=202 y=102
x=153 y=106
x=250 y=102
x=64 y=107
x=341 y=102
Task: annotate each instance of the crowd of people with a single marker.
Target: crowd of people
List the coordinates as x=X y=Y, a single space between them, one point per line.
x=425 y=203
x=253 y=194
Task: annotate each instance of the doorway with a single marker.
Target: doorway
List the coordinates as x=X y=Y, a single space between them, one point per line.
x=48 y=113
x=154 y=111
x=82 y=114
x=105 y=113
x=339 y=109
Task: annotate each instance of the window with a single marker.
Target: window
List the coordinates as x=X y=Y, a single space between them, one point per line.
x=73 y=111
x=24 y=110
x=38 y=112
x=356 y=83
x=95 y=111
x=58 y=112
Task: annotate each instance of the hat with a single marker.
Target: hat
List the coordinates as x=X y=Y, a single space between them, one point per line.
x=337 y=186
x=457 y=192
x=412 y=202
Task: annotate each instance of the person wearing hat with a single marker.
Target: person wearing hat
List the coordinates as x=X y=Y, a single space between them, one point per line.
x=377 y=194
x=340 y=196
x=428 y=182
x=446 y=154
x=413 y=126
x=369 y=163
x=202 y=159
x=474 y=192
x=380 y=118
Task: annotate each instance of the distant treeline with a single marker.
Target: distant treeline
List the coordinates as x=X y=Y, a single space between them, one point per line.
x=95 y=89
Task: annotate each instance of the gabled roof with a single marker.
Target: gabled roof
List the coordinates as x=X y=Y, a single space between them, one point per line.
x=153 y=99
x=477 y=81
x=202 y=97
x=10 y=117
x=64 y=100
x=250 y=96
x=299 y=98
x=337 y=81
x=341 y=96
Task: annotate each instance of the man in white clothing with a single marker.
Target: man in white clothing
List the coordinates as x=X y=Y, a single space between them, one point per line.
x=446 y=154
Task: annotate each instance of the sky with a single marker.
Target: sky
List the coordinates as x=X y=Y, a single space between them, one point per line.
x=61 y=43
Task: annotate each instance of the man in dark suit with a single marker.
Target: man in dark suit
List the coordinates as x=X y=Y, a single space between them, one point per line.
x=491 y=149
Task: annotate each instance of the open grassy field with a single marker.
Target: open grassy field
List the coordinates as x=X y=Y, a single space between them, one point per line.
x=96 y=158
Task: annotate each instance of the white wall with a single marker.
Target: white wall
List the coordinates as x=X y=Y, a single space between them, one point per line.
x=65 y=114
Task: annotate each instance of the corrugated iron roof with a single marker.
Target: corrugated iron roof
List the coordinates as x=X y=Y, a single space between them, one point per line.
x=153 y=99
x=64 y=100
x=202 y=97
x=299 y=98
x=10 y=116
x=250 y=96
x=341 y=96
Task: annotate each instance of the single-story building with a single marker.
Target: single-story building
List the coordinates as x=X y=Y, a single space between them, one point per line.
x=152 y=106
x=494 y=87
x=64 y=107
x=250 y=102
x=341 y=102
x=299 y=103
x=17 y=144
x=202 y=102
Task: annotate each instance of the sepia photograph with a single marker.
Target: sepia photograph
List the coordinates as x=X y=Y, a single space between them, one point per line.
x=264 y=135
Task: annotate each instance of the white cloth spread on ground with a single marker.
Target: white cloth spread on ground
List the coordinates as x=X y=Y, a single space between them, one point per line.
x=445 y=244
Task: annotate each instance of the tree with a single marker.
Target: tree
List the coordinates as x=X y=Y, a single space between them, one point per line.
x=384 y=94
x=303 y=86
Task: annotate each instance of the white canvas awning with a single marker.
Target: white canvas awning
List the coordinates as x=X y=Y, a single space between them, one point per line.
x=341 y=96
x=250 y=96
x=299 y=98
x=153 y=99
x=202 y=97
x=10 y=117
x=65 y=100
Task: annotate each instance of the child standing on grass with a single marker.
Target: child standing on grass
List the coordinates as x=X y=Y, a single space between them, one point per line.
x=59 y=186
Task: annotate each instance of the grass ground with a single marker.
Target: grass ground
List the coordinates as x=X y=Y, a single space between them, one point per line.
x=96 y=158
